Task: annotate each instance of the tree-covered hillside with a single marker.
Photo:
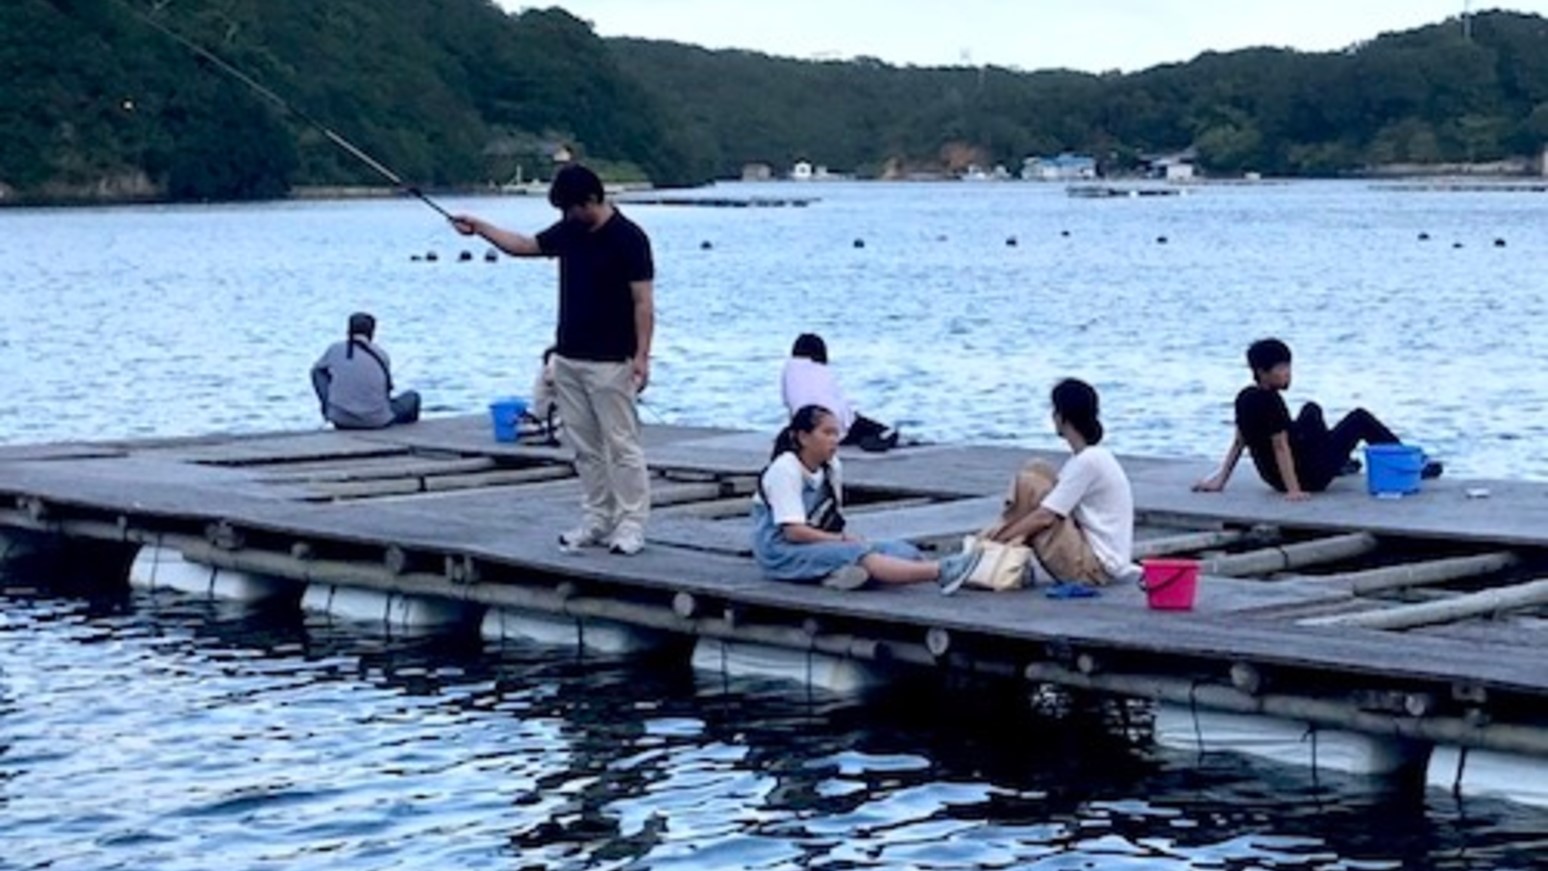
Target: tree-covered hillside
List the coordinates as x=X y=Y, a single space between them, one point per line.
x=1423 y=96
x=446 y=92
x=97 y=105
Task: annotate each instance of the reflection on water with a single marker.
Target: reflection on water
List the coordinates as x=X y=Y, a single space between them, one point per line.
x=191 y=319
x=148 y=730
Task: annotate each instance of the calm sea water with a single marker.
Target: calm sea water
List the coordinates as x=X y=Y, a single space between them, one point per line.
x=150 y=731
x=188 y=319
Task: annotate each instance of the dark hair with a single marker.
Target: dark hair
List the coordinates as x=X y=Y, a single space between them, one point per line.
x=811 y=346
x=574 y=185
x=805 y=420
x=1076 y=403
x=1265 y=354
x=362 y=324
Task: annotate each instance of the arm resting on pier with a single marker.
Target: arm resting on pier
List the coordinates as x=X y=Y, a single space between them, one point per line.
x=1216 y=482
x=1285 y=460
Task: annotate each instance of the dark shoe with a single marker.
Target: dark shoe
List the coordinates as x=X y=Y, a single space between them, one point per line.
x=1351 y=467
x=1432 y=469
x=880 y=443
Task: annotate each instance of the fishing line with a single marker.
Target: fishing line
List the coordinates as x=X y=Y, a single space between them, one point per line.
x=284 y=104
x=660 y=418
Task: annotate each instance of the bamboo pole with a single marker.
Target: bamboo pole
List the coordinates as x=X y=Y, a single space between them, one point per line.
x=1290 y=556
x=1187 y=542
x=366 y=488
x=497 y=478
x=1431 y=572
x=1503 y=737
x=714 y=509
x=678 y=494
x=1510 y=598
x=410 y=468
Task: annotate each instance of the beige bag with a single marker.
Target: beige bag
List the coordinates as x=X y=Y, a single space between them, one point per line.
x=1001 y=567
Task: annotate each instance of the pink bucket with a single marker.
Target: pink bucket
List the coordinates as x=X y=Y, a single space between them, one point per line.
x=1170 y=584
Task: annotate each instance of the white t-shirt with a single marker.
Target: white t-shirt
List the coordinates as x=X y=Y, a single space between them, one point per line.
x=807 y=382
x=1094 y=490
x=783 y=482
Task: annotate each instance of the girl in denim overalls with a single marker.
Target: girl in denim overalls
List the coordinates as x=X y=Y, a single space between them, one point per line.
x=798 y=531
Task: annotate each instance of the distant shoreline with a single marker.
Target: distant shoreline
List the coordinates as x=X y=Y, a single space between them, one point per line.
x=1445 y=177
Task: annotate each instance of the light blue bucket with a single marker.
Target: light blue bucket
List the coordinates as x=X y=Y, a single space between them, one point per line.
x=506 y=414
x=1392 y=471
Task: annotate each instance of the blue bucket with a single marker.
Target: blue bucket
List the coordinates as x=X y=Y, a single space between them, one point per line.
x=506 y=414
x=1393 y=470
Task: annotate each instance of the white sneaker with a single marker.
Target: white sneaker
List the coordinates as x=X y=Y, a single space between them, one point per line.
x=954 y=570
x=847 y=578
x=627 y=541
x=581 y=536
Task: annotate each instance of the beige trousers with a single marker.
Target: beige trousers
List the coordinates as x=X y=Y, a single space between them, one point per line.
x=596 y=403
x=1061 y=550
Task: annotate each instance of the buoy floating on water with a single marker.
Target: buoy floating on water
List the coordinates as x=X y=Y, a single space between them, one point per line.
x=491 y=256
x=859 y=243
x=706 y=245
x=1010 y=242
x=465 y=257
x=432 y=257
x=1499 y=243
x=1161 y=240
x=1424 y=237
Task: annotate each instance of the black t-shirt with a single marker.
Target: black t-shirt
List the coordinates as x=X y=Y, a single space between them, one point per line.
x=596 y=267
x=1261 y=414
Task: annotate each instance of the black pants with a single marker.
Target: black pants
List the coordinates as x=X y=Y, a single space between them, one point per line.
x=1321 y=453
x=868 y=435
x=405 y=407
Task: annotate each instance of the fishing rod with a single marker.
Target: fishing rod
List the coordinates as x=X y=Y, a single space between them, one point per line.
x=284 y=104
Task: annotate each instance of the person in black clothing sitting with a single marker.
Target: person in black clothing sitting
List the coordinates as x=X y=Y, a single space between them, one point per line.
x=1296 y=457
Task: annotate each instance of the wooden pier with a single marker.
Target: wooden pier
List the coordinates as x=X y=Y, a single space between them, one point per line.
x=1420 y=617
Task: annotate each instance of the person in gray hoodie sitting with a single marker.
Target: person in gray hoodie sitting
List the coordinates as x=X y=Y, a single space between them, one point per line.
x=353 y=380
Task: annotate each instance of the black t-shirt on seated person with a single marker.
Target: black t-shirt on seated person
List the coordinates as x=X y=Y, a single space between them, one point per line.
x=1261 y=414
x=596 y=267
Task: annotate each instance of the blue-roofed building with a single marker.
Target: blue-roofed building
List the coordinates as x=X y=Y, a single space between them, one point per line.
x=1060 y=167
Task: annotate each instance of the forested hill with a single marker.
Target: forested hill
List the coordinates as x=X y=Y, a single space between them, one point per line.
x=93 y=102
x=1424 y=96
x=96 y=105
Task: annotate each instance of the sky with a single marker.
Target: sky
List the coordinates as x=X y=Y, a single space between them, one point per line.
x=1088 y=35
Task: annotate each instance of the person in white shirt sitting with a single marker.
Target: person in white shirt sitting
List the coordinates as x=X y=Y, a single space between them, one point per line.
x=798 y=529
x=1080 y=521
x=542 y=416
x=807 y=380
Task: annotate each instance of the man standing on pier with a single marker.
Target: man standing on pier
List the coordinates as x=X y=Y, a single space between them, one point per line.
x=602 y=357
